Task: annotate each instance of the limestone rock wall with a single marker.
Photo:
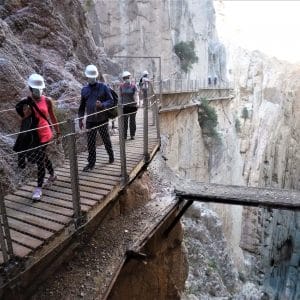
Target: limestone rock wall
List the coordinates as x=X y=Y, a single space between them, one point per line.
x=152 y=28
x=259 y=146
x=270 y=140
x=48 y=37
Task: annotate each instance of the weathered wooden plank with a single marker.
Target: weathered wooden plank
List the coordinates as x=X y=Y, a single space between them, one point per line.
x=20 y=250
x=116 y=165
x=87 y=191
x=115 y=169
x=38 y=212
x=58 y=195
x=132 y=156
x=97 y=169
x=24 y=239
x=239 y=195
x=33 y=220
x=103 y=179
x=32 y=230
x=63 y=187
x=104 y=186
x=50 y=200
x=44 y=206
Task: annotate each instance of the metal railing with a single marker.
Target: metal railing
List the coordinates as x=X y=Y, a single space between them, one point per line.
x=190 y=85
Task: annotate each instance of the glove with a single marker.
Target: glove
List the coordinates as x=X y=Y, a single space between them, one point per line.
x=80 y=124
x=98 y=104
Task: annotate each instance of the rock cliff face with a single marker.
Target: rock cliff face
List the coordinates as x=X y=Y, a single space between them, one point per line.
x=259 y=141
x=152 y=28
x=48 y=37
x=269 y=145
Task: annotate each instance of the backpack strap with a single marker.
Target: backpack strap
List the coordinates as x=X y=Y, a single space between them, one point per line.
x=38 y=110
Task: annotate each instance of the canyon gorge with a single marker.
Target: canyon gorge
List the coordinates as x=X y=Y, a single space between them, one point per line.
x=232 y=252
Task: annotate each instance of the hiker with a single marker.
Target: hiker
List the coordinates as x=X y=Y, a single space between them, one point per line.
x=128 y=92
x=95 y=97
x=209 y=80
x=215 y=80
x=144 y=80
x=42 y=108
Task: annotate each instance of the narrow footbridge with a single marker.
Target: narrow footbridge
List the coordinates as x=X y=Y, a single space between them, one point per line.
x=180 y=94
x=31 y=231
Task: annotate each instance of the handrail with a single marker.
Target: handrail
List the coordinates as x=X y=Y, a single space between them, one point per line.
x=190 y=85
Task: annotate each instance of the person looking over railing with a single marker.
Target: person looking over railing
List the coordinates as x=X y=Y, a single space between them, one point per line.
x=95 y=97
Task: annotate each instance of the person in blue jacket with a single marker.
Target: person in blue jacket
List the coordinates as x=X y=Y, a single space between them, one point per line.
x=95 y=97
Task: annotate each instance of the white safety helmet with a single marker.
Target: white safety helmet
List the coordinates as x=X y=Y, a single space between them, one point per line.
x=126 y=74
x=91 y=71
x=145 y=73
x=36 y=81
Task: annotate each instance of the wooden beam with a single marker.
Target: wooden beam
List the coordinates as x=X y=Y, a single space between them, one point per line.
x=240 y=195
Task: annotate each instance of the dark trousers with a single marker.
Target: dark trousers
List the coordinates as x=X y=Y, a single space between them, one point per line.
x=131 y=118
x=91 y=137
x=43 y=163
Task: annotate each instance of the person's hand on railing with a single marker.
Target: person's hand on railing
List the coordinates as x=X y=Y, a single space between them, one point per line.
x=98 y=104
x=81 y=124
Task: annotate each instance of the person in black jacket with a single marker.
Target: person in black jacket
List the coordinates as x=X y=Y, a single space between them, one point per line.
x=95 y=97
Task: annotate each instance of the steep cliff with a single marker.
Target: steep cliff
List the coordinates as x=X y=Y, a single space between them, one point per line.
x=258 y=146
x=269 y=144
x=152 y=28
x=48 y=37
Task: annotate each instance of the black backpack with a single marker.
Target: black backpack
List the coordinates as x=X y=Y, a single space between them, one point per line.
x=27 y=138
x=113 y=113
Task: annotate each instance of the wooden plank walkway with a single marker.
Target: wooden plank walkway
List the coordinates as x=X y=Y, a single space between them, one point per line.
x=37 y=227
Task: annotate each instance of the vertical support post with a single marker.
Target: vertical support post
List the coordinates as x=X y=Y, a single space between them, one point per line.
x=152 y=103
x=74 y=173
x=146 y=153
x=6 y=247
x=124 y=175
x=160 y=101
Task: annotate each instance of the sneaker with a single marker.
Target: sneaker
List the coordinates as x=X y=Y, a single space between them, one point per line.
x=88 y=167
x=37 y=194
x=50 y=180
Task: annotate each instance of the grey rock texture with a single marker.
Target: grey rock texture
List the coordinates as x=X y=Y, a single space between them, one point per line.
x=152 y=28
x=48 y=37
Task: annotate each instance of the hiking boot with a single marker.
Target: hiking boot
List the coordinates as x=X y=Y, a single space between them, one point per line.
x=88 y=167
x=50 y=180
x=37 y=194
